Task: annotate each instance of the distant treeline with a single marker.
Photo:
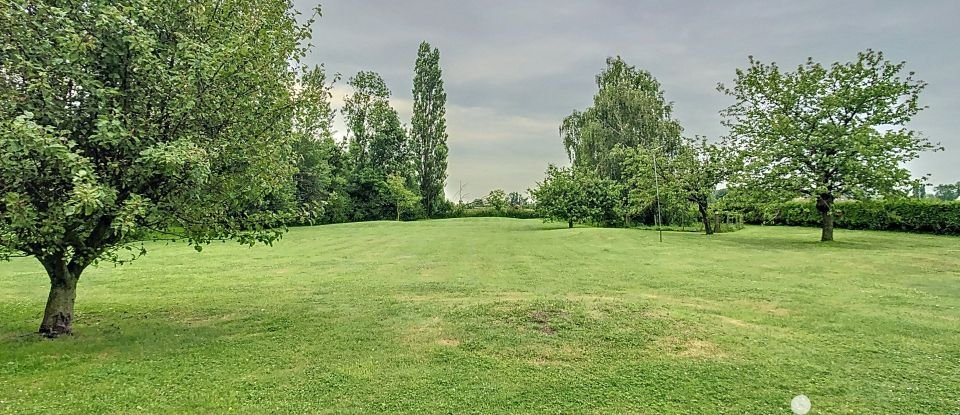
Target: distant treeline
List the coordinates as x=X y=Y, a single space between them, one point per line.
x=824 y=133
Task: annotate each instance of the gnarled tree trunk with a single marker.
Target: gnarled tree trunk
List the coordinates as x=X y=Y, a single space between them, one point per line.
x=705 y=217
x=825 y=207
x=58 y=314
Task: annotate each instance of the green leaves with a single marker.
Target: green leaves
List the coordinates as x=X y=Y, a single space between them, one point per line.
x=88 y=198
x=833 y=131
x=178 y=160
x=689 y=175
x=428 y=128
x=404 y=199
x=924 y=216
x=498 y=199
x=376 y=138
x=575 y=196
x=629 y=110
x=378 y=153
x=122 y=117
x=948 y=192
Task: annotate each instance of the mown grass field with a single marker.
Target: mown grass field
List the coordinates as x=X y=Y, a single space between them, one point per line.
x=499 y=316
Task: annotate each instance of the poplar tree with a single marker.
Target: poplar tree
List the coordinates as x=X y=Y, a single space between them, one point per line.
x=428 y=130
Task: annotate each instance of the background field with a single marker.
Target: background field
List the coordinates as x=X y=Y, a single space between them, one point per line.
x=491 y=315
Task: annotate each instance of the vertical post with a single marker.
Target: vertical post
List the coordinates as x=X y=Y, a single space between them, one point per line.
x=656 y=183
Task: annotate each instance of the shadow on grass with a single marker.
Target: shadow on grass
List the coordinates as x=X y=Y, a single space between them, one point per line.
x=96 y=332
x=104 y=333
x=766 y=243
x=548 y=227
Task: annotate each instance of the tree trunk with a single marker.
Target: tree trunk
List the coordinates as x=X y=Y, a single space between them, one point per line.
x=702 y=206
x=398 y=211
x=58 y=315
x=825 y=207
x=570 y=224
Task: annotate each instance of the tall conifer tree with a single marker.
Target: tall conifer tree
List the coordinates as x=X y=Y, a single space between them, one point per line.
x=428 y=130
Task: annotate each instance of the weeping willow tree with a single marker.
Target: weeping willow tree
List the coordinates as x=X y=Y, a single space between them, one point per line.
x=629 y=110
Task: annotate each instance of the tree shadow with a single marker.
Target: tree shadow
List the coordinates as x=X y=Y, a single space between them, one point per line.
x=773 y=243
x=101 y=331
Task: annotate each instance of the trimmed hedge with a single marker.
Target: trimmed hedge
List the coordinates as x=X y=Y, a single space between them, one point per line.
x=486 y=212
x=910 y=215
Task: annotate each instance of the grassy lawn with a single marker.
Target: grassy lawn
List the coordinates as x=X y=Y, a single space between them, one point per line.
x=499 y=316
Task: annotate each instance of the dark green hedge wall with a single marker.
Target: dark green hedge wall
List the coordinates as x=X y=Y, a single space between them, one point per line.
x=911 y=215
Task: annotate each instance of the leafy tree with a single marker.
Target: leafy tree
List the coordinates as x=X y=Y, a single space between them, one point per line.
x=321 y=179
x=697 y=169
x=428 y=130
x=824 y=131
x=404 y=198
x=691 y=174
x=918 y=190
x=123 y=117
x=476 y=203
x=629 y=110
x=516 y=200
x=947 y=191
x=559 y=198
x=377 y=145
x=317 y=169
x=369 y=197
x=573 y=196
x=376 y=137
x=498 y=199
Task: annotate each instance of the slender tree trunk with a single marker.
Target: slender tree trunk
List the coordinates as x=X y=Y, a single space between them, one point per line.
x=702 y=207
x=58 y=314
x=398 y=211
x=570 y=224
x=825 y=207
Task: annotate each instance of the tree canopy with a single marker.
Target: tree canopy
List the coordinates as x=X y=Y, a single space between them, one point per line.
x=428 y=129
x=119 y=118
x=947 y=191
x=403 y=198
x=629 y=110
x=825 y=131
x=573 y=196
x=377 y=146
x=690 y=175
x=498 y=199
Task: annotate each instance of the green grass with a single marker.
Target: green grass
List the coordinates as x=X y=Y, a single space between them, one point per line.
x=499 y=316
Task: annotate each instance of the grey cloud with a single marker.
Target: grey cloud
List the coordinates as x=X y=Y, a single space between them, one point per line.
x=514 y=69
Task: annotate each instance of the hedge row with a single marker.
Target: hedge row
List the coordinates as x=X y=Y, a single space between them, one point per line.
x=911 y=215
x=486 y=212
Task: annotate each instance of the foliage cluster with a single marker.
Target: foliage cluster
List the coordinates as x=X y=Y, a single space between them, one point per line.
x=576 y=196
x=382 y=169
x=488 y=212
x=821 y=132
x=913 y=215
x=191 y=121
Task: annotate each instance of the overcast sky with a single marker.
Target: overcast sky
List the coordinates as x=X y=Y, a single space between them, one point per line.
x=513 y=69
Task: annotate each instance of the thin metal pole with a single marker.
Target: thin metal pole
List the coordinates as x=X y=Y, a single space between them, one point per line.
x=656 y=181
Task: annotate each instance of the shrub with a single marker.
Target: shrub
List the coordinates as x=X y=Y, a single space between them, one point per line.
x=494 y=213
x=911 y=215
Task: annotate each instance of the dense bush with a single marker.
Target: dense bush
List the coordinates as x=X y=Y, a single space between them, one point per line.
x=493 y=213
x=912 y=215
